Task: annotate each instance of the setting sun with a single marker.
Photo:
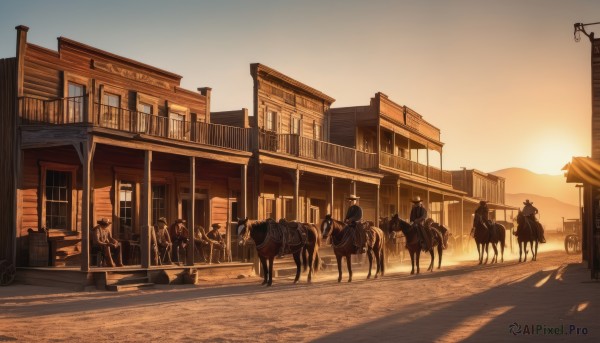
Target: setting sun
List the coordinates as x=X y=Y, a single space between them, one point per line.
x=548 y=152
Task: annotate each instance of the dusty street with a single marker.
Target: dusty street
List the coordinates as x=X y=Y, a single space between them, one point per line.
x=463 y=301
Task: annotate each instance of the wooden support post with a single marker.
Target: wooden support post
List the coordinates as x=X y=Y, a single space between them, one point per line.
x=87 y=154
x=296 y=195
x=146 y=209
x=377 y=209
x=189 y=261
x=398 y=186
x=243 y=206
x=462 y=223
x=442 y=212
x=330 y=206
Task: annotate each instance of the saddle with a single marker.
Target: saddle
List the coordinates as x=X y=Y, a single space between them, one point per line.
x=294 y=234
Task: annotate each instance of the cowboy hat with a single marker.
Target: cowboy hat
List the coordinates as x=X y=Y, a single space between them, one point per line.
x=483 y=202
x=527 y=202
x=416 y=199
x=216 y=226
x=178 y=221
x=353 y=197
x=103 y=222
x=163 y=220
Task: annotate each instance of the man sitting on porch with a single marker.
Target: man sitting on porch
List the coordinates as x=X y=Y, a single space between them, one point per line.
x=216 y=239
x=179 y=235
x=103 y=240
x=163 y=240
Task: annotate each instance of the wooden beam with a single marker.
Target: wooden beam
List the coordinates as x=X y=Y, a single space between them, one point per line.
x=243 y=208
x=376 y=220
x=296 y=195
x=146 y=210
x=191 y=207
x=330 y=206
x=85 y=204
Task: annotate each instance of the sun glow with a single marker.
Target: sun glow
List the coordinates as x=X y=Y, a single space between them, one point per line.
x=549 y=153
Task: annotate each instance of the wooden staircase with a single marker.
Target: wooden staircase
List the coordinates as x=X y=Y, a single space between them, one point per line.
x=118 y=281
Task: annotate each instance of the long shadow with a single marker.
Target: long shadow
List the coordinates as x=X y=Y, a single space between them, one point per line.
x=487 y=316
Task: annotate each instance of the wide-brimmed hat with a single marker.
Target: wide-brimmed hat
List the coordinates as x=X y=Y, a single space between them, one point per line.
x=103 y=222
x=162 y=220
x=483 y=202
x=216 y=226
x=180 y=221
x=527 y=202
x=416 y=199
x=353 y=197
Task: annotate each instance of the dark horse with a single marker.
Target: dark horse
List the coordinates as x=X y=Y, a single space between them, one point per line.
x=342 y=241
x=483 y=237
x=267 y=236
x=414 y=246
x=526 y=234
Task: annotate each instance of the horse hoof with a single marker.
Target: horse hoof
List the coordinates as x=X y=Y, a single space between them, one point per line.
x=349 y=280
x=269 y=284
x=264 y=283
x=369 y=276
x=340 y=280
x=376 y=277
x=412 y=272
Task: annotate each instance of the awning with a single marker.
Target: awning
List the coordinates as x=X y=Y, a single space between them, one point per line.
x=583 y=170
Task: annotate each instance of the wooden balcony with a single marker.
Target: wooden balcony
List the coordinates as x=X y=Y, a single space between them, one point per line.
x=415 y=168
x=74 y=110
x=295 y=145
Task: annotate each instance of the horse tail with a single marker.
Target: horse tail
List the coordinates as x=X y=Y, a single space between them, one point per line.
x=383 y=247
x=317 y=261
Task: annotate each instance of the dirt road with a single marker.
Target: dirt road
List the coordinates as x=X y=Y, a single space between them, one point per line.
x=530 y=301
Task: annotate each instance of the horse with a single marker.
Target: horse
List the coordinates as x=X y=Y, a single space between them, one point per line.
x=268 y=238
x=342 y=241
x=526 y=234
x=414 y=246
x=394 y=240
x=483 y=237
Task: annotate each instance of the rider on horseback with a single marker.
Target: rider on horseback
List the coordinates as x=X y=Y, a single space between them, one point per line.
x=354 y=220
x=529 y=212
x=484 y=215
x=418 y=214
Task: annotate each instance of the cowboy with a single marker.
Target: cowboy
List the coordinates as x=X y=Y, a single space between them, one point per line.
x=484 y=215
x=179 y=236
x=163 y=240
x=201 y=240
x=418 y=214
x=216 y=239
x=529 y=212
x=353 y=219
x=103 y=239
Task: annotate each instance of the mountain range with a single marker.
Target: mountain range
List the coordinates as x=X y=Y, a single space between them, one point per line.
x=552 y=196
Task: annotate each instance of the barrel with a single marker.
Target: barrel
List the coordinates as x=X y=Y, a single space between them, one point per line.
x=38 y=249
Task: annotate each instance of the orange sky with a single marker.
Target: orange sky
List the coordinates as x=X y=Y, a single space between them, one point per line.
x=503 y=80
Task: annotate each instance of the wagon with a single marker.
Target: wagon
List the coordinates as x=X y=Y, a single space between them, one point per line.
x=572 y=229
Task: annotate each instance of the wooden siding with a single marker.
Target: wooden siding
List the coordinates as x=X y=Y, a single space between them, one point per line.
x=7 y=156
x=343 y=126
x=238 y=118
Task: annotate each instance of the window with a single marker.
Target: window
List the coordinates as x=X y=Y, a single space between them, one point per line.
x=110 y=110
x=145 y=111
x=126 y=207
x=295 y=126
x=314 y=214
x=75 y=103
x=270 y=121
x=178 y=127
x=270 y=208
x=145 y=108
x=58 y=199
x=318 y=132
x=159 y=202
x=288 y=207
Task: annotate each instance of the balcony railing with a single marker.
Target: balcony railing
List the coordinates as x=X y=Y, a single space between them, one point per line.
x=74 y=110
x=412 y=167
x=304 y=147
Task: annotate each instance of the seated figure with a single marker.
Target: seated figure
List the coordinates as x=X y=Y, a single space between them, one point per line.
x=103 y=240
x=163 y=241
x=179 y=237
x=217 y=240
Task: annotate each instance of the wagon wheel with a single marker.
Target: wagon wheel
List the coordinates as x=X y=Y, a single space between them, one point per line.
x=7 y=273
x=572 y=244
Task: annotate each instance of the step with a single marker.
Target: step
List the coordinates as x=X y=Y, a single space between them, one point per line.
x=130 y=280
x=129 y=287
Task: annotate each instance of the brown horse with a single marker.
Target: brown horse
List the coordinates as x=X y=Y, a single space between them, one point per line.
x=526 y=234
x=342 y=241
x=483 y=238
x=395 y=241
x=268 y=238
x=414 y=246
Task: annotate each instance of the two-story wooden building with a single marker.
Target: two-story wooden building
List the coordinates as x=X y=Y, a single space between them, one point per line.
x=92 y=135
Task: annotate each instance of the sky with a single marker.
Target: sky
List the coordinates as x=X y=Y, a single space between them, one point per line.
x=504 y=81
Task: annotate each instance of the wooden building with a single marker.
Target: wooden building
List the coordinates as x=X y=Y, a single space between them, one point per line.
x=299 y=173
x=89 y=135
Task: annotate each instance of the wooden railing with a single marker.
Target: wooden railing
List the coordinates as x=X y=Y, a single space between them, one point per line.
x=73 y=110
x=415 y=168
x=304 y=147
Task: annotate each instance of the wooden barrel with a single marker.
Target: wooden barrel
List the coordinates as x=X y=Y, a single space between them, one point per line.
x=38 y=249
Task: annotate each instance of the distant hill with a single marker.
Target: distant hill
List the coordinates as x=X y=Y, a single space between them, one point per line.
x=551 y=210
x=519 y=180
x=551 y=195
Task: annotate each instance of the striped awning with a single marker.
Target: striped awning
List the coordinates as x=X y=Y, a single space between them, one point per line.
x=583 y=170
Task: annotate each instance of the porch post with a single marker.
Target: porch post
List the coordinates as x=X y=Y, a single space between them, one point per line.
x=296 y=194
x=398 y=199
x=442 y=212
x=146 y=209
x=462 y=223
x=243 y=208
x=87 y=153
x=331 y=197
x=376 y=221
x=191 y=205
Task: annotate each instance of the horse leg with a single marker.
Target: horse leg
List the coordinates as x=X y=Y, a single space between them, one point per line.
x=339 y=264
x=440 y=249
x=270 y=282
x=379 y=260
x=305 y=254
x=495 y=258
x=412 y=261
x=525 y=249
x=298 y=265
x=263 y=263
x=311 y=254
x=349 y=264
x=479 y=253
x=487 y=254
x=520 y=250
x=370 y=256
x=432 y=254
x=417 y=260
